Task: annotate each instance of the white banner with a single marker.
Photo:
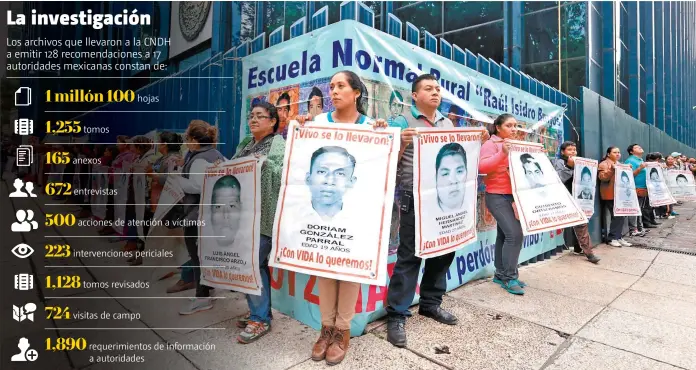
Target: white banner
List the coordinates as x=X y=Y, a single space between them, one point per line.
x=121 y=180
x=336 y=196
x=139 y=189
x=165 y=239
x=445 y=170
x=585 y=184
x=230 y=215
x=658 y=192
x=682 y=185
x=625 y=197
x=543 y=202
x=100 y=180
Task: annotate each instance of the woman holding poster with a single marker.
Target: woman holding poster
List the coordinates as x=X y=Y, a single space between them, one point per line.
x=336 y=297
x=264 y=141
x=606 y=173
x=495 y=165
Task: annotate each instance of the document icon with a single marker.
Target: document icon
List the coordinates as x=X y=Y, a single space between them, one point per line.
x=24 y=281
x=23 y=97
x=24 y=126
x=25 y=155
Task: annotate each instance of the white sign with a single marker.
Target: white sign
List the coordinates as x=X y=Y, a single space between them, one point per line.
x=139 y=189
x=231 y=214
x=543 y=202
x=625 y=197
x=336 y=196
x=681 y=184
x=445 y=171
x=585 y=184
x=658 y=192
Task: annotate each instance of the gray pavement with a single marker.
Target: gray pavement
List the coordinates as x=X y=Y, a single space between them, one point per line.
x=633 y=310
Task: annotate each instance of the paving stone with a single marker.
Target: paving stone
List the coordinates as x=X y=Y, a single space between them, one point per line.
x=483 y=339
x=656 y=339
x=657 y=307
x=666 y=289
x=674 y=274
x=587 y=355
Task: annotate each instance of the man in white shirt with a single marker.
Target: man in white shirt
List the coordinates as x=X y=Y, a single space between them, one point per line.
x=330 y=176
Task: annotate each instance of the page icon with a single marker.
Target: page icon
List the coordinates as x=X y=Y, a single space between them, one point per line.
x=25 y=155
x=23 y=97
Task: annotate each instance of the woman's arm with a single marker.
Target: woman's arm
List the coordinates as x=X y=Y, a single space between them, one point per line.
x=491 y=157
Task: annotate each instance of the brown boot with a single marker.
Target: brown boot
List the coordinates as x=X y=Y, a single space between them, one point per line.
x=319 y=349
x=338 y=347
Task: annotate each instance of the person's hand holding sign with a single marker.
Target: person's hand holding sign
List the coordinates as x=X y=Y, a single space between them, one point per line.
x=406 y=139
x=485 y=136
x=302 y=119
x=506 y=147
x=571 y=162
x=380 y=123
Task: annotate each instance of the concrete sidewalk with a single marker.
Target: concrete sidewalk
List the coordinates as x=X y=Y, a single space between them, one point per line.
x=634 y=310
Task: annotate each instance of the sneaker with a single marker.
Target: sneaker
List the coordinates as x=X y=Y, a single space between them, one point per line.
x=197 y=305
x=242 y=322
x=670 y=217
x=615 y=243
x=501 y=282
x=253 y=331
x=513 y=287
x=624 y=243
x=635 y=233
x=592 y=258
x=674 y=214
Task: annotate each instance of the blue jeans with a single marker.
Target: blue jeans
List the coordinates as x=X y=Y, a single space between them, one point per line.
x=508 y=242
x=260 y=305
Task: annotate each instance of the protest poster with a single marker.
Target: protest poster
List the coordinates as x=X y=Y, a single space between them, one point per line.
x=99 y=199
x=585 y=184
x=682 y=185
x=625 y=197
x=230 y=217
x=543 y=202
x=121 y=180
x=658 y=192
x=444 y=183
x=335 y=205
x=139 y=189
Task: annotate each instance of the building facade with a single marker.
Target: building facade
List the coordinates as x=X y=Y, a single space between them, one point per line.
x=639 y=55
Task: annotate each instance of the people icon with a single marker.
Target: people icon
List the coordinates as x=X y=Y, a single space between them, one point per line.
x=24 y=222
x=18 y=193
x=25 y=353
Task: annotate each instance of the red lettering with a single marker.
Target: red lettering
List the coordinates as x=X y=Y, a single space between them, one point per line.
x=291 y=283
x=358 y=302
x=374 y=295
x=308 y=295
x=277 y=283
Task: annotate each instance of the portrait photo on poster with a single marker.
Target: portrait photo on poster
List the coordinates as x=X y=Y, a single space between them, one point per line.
x=585 y=183
x=682 y=185
x=335 y=203
x=625 y=197
x=543 y=202
x=230 y=216
x=445 y=173
x=659 y=193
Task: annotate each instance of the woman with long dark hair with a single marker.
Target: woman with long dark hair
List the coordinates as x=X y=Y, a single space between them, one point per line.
x=500 y=202
x=337 y=298
x=201 y=139
x=606 y=173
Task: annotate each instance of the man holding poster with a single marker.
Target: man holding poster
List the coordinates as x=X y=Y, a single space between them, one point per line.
x=229 y=248
x=444 y=181
x=543 y=203
x=570 y=169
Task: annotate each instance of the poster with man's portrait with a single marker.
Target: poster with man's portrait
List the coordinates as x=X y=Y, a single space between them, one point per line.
x=585 y=184
x=230 y=215
x=543 y=203
x=445 y=170
x=658 y=192
x=682 y=185
x=335 y=205
x=625 y=197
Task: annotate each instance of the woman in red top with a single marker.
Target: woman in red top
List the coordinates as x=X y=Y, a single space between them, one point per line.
x=499 y=201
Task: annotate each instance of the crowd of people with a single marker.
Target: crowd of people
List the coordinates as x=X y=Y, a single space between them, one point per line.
x=337 y=298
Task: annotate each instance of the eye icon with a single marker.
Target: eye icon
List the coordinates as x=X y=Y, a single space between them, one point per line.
x=22 y=250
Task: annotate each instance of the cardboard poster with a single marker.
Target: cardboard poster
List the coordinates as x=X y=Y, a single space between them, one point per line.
x=658 y=192
x=230 y=217
x=682 y=185
x=625 y=197
x=335 y=205
x=585 y=184
x=444 y=187
x=543 y=202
